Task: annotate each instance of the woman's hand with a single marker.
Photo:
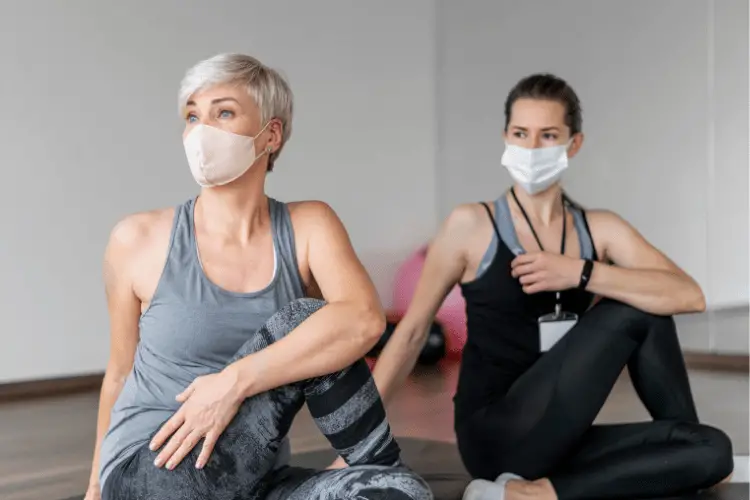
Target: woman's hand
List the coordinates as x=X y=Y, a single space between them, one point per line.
x=93 y=493
x=546 y=272
x=209 y=404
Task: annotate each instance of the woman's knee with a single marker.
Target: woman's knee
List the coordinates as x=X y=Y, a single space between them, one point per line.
x=279 y=325
x=291 y=316
x=717 y=459
x=297 y=311
x=634 y=322
x=709 y=456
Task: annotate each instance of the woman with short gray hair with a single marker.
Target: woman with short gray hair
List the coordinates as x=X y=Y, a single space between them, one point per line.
x=228 y=313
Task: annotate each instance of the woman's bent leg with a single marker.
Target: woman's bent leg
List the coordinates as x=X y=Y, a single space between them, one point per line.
x=533 y=427
x=344 y=404
x=536 y=428
x=657 y=369
x=366 y=482
x=649 y=459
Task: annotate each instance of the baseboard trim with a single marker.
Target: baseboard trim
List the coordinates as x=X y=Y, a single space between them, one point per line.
x=44 y=388
x=739 y=363
x=741 y=469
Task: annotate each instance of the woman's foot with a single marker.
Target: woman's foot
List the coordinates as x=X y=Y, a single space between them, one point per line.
x=510 y=489
x=518 y=489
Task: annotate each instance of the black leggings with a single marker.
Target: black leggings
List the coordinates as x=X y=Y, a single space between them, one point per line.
x=543 y=426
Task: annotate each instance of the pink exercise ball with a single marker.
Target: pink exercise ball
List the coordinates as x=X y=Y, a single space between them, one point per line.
x=452 y=313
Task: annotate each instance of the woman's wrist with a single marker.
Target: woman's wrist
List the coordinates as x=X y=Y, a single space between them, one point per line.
x=240 y=377
x=586 y=272
x=94 y=477
x=576 y=270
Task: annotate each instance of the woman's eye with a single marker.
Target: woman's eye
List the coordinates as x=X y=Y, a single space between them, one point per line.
x=191 y=118
x=550 y=137
x=225 y=114
x=519 y=134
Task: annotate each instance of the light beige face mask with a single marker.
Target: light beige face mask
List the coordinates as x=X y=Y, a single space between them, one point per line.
x=217 y=157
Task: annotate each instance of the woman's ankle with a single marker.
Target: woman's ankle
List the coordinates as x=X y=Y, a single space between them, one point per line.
x=541 y=489
x=547 y=488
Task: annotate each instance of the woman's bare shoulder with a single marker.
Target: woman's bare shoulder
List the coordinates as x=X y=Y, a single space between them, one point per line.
x=138 y=228
x=605 y=220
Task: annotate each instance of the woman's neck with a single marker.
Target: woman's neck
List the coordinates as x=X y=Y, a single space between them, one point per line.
x=234 y=211
x=542 y=208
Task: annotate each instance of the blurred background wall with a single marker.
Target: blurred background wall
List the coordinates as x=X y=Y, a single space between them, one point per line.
x=399 y=113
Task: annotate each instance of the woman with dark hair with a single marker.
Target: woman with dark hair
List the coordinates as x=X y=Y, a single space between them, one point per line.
x=542 y=354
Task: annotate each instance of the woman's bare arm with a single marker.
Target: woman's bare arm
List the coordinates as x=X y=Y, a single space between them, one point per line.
x=124 y=311
x=337 y=335
x=641 y=275
x=444 y=266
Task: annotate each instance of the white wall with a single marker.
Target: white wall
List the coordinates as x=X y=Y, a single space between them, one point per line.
x=90 y=133
x=665 y=95
x=728 y=180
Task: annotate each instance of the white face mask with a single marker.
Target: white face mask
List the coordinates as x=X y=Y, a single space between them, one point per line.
x=217 y=157
x=536 y=169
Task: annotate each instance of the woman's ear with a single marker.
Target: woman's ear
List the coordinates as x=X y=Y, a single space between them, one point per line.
x=276 y=129
x=575 y=145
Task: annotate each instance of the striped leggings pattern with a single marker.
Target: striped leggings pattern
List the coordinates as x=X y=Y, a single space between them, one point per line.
x=346 y=408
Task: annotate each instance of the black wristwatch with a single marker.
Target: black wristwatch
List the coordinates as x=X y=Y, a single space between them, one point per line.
x=588 y=266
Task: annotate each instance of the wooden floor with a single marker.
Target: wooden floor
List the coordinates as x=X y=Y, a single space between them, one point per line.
x=46 y=445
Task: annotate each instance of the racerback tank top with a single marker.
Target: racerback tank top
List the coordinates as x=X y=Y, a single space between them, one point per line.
x=502 y=329
x=193 y=327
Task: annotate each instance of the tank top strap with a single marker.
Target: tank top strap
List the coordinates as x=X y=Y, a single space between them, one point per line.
x=584 y=234
x=505 y=226
x=181 y=266
x=284 y=243
x=507 y=231
x=183 y=232
x=184 y=251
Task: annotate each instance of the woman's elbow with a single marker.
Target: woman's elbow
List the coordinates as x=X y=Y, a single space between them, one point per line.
x=694 y=301
x=699 y=301
x=372 y=325
x=117 y=372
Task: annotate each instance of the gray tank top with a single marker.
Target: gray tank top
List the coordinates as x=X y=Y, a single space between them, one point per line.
x=507 y=230
x=191 y=328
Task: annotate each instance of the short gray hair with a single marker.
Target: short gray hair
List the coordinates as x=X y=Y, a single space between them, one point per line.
x=266 y=86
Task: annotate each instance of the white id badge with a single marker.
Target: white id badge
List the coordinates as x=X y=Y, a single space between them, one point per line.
x=553 y=327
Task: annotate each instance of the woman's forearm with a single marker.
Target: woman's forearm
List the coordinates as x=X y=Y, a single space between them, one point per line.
x=655 y=291
x=109 y=393
x=396 y=361
x=331 y=339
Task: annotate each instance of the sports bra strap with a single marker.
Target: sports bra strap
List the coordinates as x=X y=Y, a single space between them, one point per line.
x=584 y=234
x=492 y=219
x=505 y=230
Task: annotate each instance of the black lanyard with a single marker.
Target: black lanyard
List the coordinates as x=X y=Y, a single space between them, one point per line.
x=538 y=241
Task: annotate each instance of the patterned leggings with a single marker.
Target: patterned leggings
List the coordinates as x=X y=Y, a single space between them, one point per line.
x=346 y=407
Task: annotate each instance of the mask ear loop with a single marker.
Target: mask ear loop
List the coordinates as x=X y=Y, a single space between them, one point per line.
x=268 y=149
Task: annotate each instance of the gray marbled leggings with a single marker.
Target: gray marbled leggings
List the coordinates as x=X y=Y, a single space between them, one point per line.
x=346 y=407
